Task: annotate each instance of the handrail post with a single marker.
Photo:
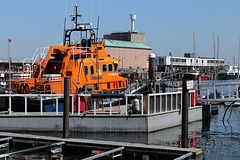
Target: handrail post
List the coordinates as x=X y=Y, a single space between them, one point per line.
x=142 y=103
x=126 y=104
x=56 y=105
x=148 y=107
x=79 y=104
x=10 y=104
x=94 y=106
x=110 y=106
x=41 y=105
x=72 y=104
x=25 y=105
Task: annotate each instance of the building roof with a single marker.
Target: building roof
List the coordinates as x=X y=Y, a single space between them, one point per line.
x=125 y=44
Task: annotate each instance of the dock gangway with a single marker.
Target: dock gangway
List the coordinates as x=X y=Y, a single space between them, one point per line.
x=218 y=92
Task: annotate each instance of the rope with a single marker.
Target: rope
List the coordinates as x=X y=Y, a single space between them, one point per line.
x=227 y=109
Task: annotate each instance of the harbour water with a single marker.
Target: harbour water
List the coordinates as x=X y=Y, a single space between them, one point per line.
x=218 y=139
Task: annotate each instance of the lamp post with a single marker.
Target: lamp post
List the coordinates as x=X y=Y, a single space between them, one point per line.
x=171 y=66
x=9 y=65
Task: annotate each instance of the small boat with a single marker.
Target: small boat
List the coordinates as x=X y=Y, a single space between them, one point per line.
x=194 y=74
x=231 y=74
x=85 y=62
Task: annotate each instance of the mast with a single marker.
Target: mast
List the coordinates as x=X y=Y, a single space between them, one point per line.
x=194 y=48
x=214 y=51
x=238 y=55
x=217 y=58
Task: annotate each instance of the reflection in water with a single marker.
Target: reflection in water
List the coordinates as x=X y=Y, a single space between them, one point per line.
x=218 y=140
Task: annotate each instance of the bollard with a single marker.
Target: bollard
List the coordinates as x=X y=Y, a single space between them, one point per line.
x=184 y=139
x=66 y=108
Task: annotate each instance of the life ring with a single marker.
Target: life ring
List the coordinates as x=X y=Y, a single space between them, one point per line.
x=25 y=88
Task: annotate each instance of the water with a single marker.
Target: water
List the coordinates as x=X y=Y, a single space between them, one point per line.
x=220 y=140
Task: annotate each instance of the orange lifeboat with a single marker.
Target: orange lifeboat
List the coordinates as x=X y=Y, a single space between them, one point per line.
x=86 y=64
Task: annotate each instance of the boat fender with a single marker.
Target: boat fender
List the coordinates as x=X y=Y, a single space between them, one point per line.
x=136 y=106
x=25 y=88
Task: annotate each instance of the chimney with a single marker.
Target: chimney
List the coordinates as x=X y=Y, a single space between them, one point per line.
x=133 y=18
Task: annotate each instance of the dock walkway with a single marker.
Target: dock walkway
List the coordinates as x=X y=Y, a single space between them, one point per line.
x=99 y=144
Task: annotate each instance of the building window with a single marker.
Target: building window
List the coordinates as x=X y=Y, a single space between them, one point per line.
x=86 y=70
x=104 y=68
x=91 y=70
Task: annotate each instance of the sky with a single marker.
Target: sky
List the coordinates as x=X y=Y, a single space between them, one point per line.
x=168 y=24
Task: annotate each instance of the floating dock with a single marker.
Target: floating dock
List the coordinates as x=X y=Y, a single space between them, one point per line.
x=157 y=150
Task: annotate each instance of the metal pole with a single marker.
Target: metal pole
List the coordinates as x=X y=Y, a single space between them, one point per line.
x=9 y=41
x=66 y=108
x=184 y=114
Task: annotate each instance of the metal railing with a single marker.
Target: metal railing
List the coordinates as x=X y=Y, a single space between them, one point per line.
x=112 y=152
x=151 y=104
x=219 y=92
x=170 y=101
x=39 y=54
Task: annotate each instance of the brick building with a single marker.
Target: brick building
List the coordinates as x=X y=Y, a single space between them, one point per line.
x=129 y=48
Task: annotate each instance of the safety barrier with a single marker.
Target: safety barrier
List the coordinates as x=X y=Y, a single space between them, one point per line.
x=150 y=104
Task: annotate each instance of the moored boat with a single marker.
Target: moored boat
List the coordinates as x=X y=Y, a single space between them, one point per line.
x=85 y=62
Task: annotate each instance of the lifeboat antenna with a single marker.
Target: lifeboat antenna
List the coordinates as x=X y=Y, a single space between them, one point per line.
x=98 y=18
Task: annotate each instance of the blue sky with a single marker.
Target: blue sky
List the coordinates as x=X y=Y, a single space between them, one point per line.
x=168 y=24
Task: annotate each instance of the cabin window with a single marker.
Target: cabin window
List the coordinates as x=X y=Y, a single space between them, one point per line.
x=109 y=67
x=115 y=65
x=91 y=70
x=86 y=70
x=104 y=68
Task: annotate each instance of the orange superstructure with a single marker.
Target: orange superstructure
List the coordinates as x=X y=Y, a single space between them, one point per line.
x=86 y=63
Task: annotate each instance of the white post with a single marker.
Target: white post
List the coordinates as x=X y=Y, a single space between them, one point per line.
x=41 y=105
x=110 y=106
x=72 y=105
x=25 y=105
x=126 y=104
x=154 y=104
x=56 y=105
x=148 y=107
x=94 y=106
x=142 y=103
x=171 y=100
x=176 y=101
x=166 y=103
x=160 y=103
x=190 y=99
x=10 y=105
x=79 y=104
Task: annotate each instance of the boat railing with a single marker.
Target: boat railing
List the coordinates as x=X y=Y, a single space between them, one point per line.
x=170 y=101
x=81 y=52
x=85 y=104
x=39 y=54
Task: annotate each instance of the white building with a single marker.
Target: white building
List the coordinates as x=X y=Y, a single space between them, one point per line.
x=164 y=63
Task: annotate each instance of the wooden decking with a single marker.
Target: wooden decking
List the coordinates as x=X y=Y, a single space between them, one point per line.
x=99 y=144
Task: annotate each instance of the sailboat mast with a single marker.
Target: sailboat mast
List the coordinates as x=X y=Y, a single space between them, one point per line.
x=194 y=50
x=238 y=55
x=214 y=51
